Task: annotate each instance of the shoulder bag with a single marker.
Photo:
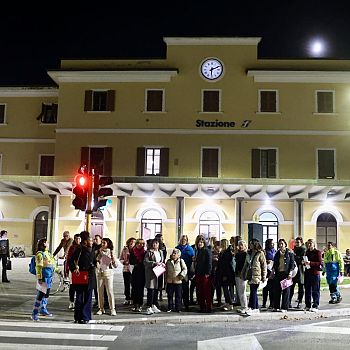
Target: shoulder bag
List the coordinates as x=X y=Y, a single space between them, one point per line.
x=80 y=277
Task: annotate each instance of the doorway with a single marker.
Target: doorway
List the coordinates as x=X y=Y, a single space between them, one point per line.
x=40 y=228
x=326 y=230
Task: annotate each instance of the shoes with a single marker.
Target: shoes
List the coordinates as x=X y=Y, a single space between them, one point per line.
x=100 y=312
x=71 y=306
x=227 y=307
x=45 y=312
x=283 y=311
x=307 y=309
x=242 y=311
x=314 y=309
x=298 y=305
x=149 y=311
x=169 y=310
x=339 y=299
x=35 y=317
x=332 y=301
x=253 y=311
x=83 y=321
x=137 y=309
x=113 y=313
x=5 y=281
x=290 y=306
x=270 y=308
x=155 y=309
x=126 y=302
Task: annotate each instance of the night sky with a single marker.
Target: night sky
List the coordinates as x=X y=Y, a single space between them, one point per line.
x=35 y=37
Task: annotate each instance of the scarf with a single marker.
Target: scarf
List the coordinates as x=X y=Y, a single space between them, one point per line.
x=139 y=254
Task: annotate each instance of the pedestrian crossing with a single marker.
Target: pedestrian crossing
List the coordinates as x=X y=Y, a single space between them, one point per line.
x=54 y=335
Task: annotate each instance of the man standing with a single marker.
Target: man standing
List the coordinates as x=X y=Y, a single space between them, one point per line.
x=313 y=266
x=65 y=243
x=334 y=267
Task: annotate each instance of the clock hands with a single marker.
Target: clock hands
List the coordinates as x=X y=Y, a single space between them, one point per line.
x=212 y=68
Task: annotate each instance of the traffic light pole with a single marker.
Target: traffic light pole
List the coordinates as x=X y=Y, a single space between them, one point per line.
x=88 y=212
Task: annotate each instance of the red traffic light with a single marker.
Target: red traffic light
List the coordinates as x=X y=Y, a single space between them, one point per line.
x=80 y=190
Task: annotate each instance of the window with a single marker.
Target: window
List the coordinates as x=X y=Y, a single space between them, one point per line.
x=264 y=163
x=325 y=101
x=325 y=163
x=326 y=230
x=47 y=163
x=268 y=101
x=2 y=113
x=48 y=113
x=211 y=101
x=98 y=158
x=154 y=101
x=209 y=225
x=210 y=162
x=151 y=224
x=269 y=222
x=152 y=161
x=99 y=100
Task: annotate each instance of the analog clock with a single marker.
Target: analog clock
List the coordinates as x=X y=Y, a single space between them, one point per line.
x=212 y=69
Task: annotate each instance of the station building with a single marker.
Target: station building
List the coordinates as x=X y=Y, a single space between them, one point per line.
x=206 y=140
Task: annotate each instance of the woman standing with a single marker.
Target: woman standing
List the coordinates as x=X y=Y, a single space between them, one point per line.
x=162 y=247
x=75 y=244
x=153 y=258
x=214 y=275
x=203 y=263
x=225 y=273
x=45 y=267
x=137 y=255
x=187 y=253
x=283 y=264
x=255 y=271
x=124 y=259
x=241 y=283
x=4 y=254
x=270 y=252
x=84 y=259
x=105 y=263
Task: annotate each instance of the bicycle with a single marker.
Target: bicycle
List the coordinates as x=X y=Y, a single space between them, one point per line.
x=60 y=284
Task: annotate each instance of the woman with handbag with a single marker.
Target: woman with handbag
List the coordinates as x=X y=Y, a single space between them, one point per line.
x=82 y=265
x=4 y=254
x=254 y=271
x=241 y=283
x=283 y=265
x=105 y=263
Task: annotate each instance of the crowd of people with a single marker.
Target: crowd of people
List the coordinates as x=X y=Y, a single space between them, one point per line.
x=231 y=270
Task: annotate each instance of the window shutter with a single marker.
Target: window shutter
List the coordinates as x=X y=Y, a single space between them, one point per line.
x=271 y=158
x=164 y=162
x=326 y=164
x=211 y=101
x=154 y=100
x=210 y=162
x=325 y=102
x=268 y=101
x=140 y=161
x=88 y=100
x=47 y=165
x=2 y=114
x=85 y=156
x=54 y=112
x=107 y=161
x=255 y=163
x=111 y=100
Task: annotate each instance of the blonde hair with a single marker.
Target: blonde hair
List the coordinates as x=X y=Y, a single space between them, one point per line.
x=224 y=243
x=244 y=244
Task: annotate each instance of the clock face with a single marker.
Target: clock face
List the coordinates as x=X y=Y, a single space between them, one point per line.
x=212 y=69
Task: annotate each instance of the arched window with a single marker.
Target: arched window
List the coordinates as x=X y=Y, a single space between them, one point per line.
x=151 y=224
x=209 y=225
x=270 y=226
x=326 y=230
x=40 y=228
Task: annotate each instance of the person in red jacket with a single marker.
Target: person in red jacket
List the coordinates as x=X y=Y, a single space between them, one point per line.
x=313 y=266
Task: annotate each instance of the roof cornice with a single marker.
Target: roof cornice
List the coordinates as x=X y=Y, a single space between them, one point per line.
x=218 y=41
x=125 y=76
x=269 y=76
x=28 y=92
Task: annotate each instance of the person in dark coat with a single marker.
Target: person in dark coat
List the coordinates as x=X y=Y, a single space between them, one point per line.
x=162 y=248
x=203 y=267
x=138 y=281
x=4 y=254
x=83 y=259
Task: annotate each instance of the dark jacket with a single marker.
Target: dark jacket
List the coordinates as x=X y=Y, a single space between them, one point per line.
x=315 y=258
x=203 y=262
x=288 y=261
x=187 y=253
x=225 y=270
x=4 y=247
x=86 y=260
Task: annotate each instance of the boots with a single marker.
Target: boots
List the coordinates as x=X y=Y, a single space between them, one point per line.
x=43 y=309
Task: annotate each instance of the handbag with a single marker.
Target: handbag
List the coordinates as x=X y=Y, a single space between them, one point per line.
x=80 y=277
x=8 y=264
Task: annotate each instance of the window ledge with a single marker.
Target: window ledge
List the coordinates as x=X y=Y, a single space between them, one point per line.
x=155 y=112
x=333 y=113
x=202 y=112
x=99 y=112
x=269 y=113
x=3 y=124
x=44 y=124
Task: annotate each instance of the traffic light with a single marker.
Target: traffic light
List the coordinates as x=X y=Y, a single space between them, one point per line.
x=101 y=192
x=81 y=189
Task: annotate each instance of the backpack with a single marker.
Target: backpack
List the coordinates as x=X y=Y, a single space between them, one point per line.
x=32 y=268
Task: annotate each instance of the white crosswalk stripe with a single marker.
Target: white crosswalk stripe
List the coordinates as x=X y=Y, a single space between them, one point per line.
x=55 y=335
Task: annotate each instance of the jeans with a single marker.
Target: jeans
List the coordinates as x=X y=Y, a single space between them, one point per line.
x=253 y=296
x=185 y=293
x=171 y=289
x=127 y=285
x=3 y=257
x=152 y=297
x=82 y=311
x=312 y=289
x=281 y=275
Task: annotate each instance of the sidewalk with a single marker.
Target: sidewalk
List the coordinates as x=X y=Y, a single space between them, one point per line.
x=23 y=285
